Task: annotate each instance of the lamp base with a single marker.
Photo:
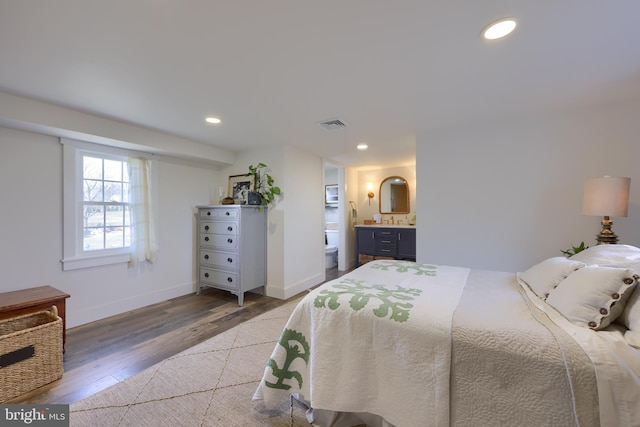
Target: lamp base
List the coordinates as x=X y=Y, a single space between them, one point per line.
x=607 y=236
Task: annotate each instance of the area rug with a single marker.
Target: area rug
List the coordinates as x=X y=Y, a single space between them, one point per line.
x=210 y=384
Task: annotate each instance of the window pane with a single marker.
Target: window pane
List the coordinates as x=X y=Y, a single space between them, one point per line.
x=93 y=215
x=112 y=170
x=92 y=167
x=93 y=239
x=92 y=191
x=112 y=191
x=114 y=237
x=115 y=216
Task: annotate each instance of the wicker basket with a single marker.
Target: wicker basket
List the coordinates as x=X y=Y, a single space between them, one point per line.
x=363 y=258
x=30 y=352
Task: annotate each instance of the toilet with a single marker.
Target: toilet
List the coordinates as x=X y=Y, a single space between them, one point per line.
x=331 y=249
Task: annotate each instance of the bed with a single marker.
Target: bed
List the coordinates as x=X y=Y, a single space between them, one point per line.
x=398 y=343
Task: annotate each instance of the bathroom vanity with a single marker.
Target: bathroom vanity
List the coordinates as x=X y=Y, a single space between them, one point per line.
x=385 y=241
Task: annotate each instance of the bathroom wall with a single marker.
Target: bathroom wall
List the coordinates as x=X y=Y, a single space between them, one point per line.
x=367 y=208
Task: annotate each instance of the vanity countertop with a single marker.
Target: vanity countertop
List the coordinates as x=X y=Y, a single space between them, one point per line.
x=387 y=225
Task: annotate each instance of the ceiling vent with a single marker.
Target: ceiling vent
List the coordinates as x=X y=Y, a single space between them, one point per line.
x=333 y=124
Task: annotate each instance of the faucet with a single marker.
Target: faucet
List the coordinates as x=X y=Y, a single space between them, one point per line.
x=392 y=220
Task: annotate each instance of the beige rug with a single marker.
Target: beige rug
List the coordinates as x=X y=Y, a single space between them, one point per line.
x=210 y=384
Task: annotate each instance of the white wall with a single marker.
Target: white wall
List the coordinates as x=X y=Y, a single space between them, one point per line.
x=303 y=210
x=508 y=194
x=295 y=246
x=351 y=192
x=48 y=119
x=272 y=157
x=31 y=231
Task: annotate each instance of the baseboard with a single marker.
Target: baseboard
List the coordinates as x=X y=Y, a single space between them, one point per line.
x=297 y=288
x=112 y=308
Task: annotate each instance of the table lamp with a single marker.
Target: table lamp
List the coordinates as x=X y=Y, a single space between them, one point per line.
x=607 y=197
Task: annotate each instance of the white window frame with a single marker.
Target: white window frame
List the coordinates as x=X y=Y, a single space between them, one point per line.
x=74 y=257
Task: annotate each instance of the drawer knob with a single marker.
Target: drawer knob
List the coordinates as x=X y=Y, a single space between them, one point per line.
x=229 y=279
x=227 y=213
x=229 y=228
x=206 y=256
x=206 y=239
x=206 y=227
x=208 y=213
x=229 y=260
x=229 y=240
x=206 y=274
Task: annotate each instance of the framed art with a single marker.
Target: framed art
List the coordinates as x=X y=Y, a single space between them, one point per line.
x=331 y=194
x=238 y=184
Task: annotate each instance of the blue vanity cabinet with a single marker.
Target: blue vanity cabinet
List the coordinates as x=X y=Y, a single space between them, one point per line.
x=385 y=242
x=365 y=241
x=407 y=243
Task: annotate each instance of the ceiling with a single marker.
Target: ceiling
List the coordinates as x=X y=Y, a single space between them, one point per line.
x=271 y=70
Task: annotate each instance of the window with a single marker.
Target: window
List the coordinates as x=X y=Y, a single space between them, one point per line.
x=105 y=204
x=104 y=220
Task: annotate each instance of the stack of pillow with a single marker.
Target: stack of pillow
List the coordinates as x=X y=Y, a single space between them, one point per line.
x=593 y=288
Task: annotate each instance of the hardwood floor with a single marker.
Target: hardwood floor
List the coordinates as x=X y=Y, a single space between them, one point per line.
x=102 y=353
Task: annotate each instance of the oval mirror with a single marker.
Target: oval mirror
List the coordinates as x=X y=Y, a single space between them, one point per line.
x=394 y=195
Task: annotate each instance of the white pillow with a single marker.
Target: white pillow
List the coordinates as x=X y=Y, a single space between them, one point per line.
x=609 y=255
x=631 y=315
x=545 y=276
x=632 y=338
x=593 y=296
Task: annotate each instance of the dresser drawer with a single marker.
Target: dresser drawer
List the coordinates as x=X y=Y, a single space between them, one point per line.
x=219 y=240
x=382 y=249
x=226 y=227
x=226 y=260
x=219 y=214
x=386 y=240
x=222 y=279
x=386 y=235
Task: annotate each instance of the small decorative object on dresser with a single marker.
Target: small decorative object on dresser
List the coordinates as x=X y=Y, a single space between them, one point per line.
x=264 y=191
x=239 y=185
x=232 y=248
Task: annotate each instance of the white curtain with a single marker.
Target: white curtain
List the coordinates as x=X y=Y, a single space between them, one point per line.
x=143 y=232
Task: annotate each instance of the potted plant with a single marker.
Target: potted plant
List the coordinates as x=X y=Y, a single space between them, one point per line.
x=265 y=191
x=574 y=250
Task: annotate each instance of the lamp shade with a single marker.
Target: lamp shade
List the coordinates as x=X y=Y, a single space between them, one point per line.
x=606 y=196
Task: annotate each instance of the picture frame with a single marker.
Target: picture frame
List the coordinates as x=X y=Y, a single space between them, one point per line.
x=238 y=183
x=331 y=194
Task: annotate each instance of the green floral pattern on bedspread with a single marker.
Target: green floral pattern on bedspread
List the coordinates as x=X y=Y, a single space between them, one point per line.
x=296 y=346
x=362 y=294
x=406 y=266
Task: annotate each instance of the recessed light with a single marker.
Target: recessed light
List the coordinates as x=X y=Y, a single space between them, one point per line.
x=499 y=28
x=362 y=146
x=213 y=120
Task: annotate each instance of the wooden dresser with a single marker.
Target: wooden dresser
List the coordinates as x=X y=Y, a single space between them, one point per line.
x=232 y=248
x=25 y=301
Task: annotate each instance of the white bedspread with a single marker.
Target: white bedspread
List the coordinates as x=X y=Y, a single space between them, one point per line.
x=423 y=345
x=329 y=343
x=511 y=365
x=616 y=365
